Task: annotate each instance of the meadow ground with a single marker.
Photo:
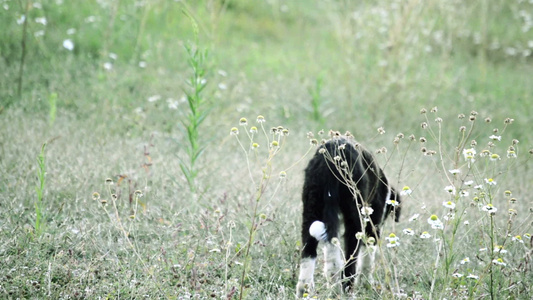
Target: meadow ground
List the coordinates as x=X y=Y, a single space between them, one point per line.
x=151 y=185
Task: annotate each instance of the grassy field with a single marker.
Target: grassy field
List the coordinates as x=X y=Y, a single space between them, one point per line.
x=127 y=171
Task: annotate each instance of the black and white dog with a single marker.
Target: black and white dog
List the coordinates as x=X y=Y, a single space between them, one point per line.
x=343 y=179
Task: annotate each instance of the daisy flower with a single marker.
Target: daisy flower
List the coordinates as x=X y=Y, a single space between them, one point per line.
x=494 y=157
x=469 y=182
x=490 y=181
x=489 y=208
x=472 y=276
x=495 y=137
x=408 y=231
x=435 y=222
x=392 y=237
x=449 y=216
x=448 y=204
x=393 y=241
x=499 y=249
x=469 y=155
x=464 y=261
x=392 y=202
x=367 y=211
x=406 y=191
x=450 y=189
x=393 y=244
x=484 y=153
x=457 y=275
x=425 y=235
x=454 y=171
x=499 y=261
x=414 y=217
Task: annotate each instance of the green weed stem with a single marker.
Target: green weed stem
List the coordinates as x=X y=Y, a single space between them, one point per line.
x=41 y=176
x=23 y=46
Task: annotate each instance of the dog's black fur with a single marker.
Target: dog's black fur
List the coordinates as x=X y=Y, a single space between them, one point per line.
x=326 y=195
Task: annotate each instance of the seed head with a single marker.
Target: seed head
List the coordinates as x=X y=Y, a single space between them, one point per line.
x=508 y=121
x=260 y=119
x=96 y=196
x=423 y=111
x=396 y=141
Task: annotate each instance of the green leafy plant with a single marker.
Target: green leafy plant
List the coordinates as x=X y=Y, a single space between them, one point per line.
x=198 y=111
x=199 y=105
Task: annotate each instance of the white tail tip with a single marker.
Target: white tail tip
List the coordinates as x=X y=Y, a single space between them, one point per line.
x=318 y=231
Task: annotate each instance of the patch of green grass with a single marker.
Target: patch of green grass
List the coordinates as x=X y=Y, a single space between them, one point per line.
x=380 y=63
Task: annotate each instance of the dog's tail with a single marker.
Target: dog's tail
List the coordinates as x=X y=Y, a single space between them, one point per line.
x=327 y=228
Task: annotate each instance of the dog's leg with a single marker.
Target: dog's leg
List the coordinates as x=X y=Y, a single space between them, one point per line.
x=305 y=280
x=333 y=264
x=365 y=263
